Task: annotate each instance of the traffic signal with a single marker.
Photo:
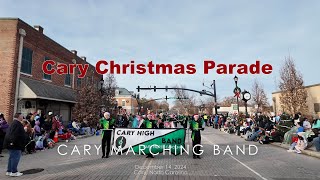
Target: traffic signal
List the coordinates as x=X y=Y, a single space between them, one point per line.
x=155 y=89
x=166 y=88
x=166 y=98
x=138 y=88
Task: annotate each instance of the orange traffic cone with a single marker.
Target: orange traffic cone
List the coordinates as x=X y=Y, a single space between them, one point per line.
x=55 y=138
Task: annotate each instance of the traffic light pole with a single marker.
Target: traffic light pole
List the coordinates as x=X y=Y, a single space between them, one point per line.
x=185 y=89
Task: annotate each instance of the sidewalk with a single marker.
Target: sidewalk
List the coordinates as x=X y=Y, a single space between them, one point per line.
x=311 y=151
x=5 y=151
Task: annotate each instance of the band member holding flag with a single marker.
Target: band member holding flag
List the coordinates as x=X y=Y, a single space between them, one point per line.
x=107 y=124
x=196 y=126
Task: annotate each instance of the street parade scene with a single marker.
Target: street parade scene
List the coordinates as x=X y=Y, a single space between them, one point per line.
x=139 y=90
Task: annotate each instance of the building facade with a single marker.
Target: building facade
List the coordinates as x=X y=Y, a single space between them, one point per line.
x=126 y=100
x=24 y=86
x=233 y=109
x=313 y=100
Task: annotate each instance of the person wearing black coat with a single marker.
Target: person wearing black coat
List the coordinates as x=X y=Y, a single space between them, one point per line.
x=15 y=142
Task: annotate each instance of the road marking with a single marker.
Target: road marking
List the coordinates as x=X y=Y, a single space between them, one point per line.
x=145 y=174
x=255 y=172
x=137 y=176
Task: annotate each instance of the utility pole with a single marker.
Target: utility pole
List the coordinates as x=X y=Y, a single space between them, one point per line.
x=215 y=97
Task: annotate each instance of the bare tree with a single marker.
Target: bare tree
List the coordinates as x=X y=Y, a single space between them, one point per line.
x=152 y=105
x=164 y=105
x=293 y=97
x=259 y=96
x=87 y=107
x=109 y=87
x=209 y=105
x=227 y=101
x=186 y=103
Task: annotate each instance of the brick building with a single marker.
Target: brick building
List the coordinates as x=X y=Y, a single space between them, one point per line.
x=27 y=89
x=126 y=100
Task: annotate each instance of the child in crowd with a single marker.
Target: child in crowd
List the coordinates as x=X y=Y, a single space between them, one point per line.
x=41 y=142
x=299 y=144
x=37 y=129
x=264 y=138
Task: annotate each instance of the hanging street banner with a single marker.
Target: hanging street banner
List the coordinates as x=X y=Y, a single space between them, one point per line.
x=149 y=141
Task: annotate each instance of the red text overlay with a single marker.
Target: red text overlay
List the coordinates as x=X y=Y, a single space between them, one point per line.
x=105 y=67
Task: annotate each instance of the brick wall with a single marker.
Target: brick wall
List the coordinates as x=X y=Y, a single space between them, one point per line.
x=42 y=46
x=129 y=101
x=8 y=65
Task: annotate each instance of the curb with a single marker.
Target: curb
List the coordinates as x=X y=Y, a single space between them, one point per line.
x=5 y=151
x=305 y=152
x=77 y=137
x=285 y=146
x=83 y=136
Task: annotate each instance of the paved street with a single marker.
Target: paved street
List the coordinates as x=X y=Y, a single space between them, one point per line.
x=269 y=163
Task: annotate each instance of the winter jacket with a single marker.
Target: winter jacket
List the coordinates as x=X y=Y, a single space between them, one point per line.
x=15 y=137
x=316 y=124
x=3 y=128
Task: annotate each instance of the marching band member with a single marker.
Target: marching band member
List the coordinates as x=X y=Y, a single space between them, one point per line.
x=196 y=126
x=150 y=124
x=107 y=124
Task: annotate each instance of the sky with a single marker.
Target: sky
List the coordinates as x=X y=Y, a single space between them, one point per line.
x=183 y=31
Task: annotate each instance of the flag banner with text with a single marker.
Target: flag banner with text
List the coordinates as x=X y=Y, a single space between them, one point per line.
x=146 y=140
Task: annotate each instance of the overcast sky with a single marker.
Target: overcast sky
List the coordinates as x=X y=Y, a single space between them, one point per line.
x=167 y=31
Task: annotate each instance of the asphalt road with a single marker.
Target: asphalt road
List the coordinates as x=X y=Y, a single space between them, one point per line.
x=217 y=162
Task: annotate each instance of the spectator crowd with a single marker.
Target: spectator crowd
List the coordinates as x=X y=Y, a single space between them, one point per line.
x=300 y=132
x=39 y=132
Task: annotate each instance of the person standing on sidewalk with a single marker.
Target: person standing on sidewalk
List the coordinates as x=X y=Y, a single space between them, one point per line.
x=15 y=143
x=107 y=124
x=196 y=126
x=3 y=129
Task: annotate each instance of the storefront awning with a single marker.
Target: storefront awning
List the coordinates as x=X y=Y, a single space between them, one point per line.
x=33 y=89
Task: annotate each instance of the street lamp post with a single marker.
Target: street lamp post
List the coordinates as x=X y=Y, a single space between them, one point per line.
x=102 y=108
x=246 y=96
x=237 y=91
